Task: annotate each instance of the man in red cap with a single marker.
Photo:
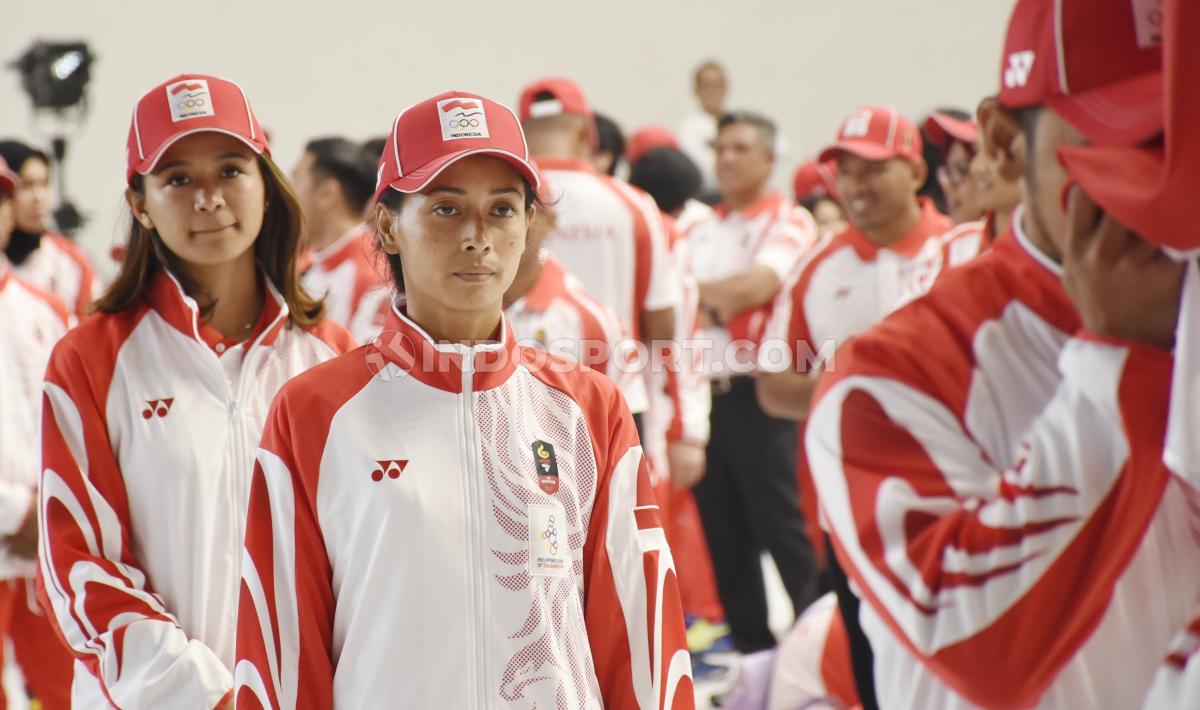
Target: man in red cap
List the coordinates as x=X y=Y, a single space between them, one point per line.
x=607 y=233
x=989 y=459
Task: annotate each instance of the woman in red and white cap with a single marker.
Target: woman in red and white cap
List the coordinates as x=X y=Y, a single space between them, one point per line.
x=154 y=405
x=446 y=519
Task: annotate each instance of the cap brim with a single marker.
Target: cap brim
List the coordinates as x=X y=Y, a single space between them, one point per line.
x=8 y=181
x=147 y=165
x=418 y=179
x=1125 y=113
x=863 y=149
x=941 y=129
x=1138 y=186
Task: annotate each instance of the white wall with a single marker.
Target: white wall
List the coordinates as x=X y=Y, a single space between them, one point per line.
x=347 y=66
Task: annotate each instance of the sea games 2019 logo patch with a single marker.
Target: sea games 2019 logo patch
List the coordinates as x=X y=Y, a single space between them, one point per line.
x=462 y=118
x=189 y=99
x=547 y=466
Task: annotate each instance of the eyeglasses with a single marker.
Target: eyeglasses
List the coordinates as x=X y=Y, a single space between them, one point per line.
x=951 y=174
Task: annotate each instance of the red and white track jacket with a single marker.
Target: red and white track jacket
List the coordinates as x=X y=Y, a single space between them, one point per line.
x=954 y=248
x=993 y=480
x=344 y=273
x=812 y=662
x=1177 y=683
x=611 y=236
x=558 y=315
x=60 y=267
x=33 y=321
x=148 y=441
x=437 y=526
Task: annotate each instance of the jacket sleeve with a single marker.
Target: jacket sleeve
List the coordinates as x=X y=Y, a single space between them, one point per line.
x=632 y=610
x=90 y=582
x=1177 y=683
x=285 y=611
x=965 y=560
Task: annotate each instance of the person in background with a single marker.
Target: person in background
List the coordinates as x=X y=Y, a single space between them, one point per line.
x=610 y=145
x=154 y=405
x=741 y=256
x=815 y=187
x=607 y=233
x=710 y=84
x=957 y=140
x=33 y=321
x=333 y=181
x=676 y=164
x=935 y=157
x=38 y=254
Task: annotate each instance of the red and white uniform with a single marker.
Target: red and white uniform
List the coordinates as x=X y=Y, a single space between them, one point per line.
x=954 y=248
x=60 y=267
x=611 y=236
x=344 y=273
x=846 y=285
x=993 y=481
x=774 y=232
x=477 y=531
x=558 y=315
x=33 y=321
x=150 y=425
x=812 y=662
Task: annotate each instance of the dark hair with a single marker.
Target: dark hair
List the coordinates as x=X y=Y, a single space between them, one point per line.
x=609 y=140
x=393 y=200
x=373 y=149
x=275 y=251
x=348 y=163
x=669 y=175
x=765 y=126
x=16 y=154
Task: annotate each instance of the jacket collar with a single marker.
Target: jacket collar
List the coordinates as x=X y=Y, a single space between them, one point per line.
x=440 y=365
x=1037 y=279
x=549 y=285
x=767 y=203
x=931 y=223
x=166 y=297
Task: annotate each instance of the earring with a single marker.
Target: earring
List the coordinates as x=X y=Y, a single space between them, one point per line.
x=145 y=220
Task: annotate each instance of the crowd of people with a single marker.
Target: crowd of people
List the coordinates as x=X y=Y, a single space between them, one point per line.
x=509 y=406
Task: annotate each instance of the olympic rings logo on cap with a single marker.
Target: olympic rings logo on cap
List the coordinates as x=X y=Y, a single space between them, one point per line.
x=463 y=123
x=193 y=103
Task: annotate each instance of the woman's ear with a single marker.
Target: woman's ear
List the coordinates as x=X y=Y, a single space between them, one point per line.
x=137 y=205
x=1003 y=140
x=386 y=227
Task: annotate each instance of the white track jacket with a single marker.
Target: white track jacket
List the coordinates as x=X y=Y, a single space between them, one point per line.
x=148 y=445
x=436 y=526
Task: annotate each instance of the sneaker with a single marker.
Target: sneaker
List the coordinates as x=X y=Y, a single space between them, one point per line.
x=703 y=634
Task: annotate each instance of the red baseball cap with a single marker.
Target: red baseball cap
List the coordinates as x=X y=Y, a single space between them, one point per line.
x=8 y=179
x=815 y=179
x=1152 y=188
x=1097 y=63
x=429 y=137
x=876 y=133
x=566 y=97
x=942 y=128
x=187 y=104
x=648 y=138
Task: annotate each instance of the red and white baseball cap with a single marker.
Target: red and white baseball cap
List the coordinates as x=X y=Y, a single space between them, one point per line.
x=429 y=137
x=876 y=133
x=1097 y=63
x=941 y=128
x=815 y=179
x=648 y=138
x=187 y=104
x=8 y=179
x=1152 y=188
x=564 y=96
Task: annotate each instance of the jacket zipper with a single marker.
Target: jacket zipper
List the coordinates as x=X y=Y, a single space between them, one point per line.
x=475 y=515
